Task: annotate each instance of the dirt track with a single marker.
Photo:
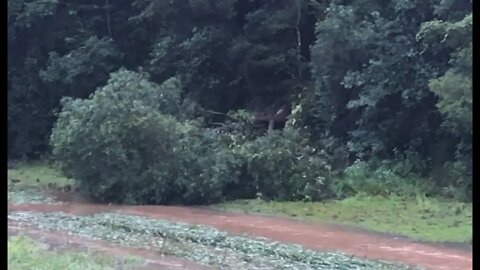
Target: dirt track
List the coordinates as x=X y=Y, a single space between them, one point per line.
x=315 y=236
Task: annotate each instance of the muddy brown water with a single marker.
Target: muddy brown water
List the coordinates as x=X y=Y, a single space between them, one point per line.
x=324 y=237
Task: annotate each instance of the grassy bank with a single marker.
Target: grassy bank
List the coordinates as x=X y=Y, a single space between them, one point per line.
x=39 y=173
x=24 y=253
x=420 y=218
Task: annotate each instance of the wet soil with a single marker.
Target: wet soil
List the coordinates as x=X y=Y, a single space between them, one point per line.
x=57 y=240
x=325 y=237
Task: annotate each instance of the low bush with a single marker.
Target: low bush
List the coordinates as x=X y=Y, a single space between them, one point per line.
x=127 y=144
x=281 y=166
x=130 y=142
x=209 y=170
x=381 y=179
x=112 y=141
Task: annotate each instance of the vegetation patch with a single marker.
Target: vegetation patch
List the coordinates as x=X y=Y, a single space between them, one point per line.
x=202 y=244
x=134 y=141
x=27 y=181
x=26 y=254
x=37 y=173
x=419 y=218
x=28 y=195
x=165 y=131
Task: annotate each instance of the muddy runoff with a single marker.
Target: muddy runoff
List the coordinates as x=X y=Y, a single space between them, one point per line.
x=352 y=246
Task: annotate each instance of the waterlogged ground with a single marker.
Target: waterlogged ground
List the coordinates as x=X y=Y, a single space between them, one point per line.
x=201 y=244
x=425 y=219
x=203 y=238
x=29 y=195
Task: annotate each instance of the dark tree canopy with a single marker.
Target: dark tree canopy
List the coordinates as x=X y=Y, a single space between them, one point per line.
x=363 y=80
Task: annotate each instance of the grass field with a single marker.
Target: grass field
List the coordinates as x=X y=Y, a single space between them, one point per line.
x=26 y=254
x=425 y=219
x=38 y=173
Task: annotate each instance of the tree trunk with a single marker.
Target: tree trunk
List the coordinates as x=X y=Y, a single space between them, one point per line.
x=271 y=124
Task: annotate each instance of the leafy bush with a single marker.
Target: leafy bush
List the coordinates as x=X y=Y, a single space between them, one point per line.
x=127 y=144
x=459 y=174
x=388 y=178
x=124 y=143
x=210 y=170
x=281 y=166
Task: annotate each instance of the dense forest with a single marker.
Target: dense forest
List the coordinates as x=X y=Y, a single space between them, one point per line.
x=199 y=101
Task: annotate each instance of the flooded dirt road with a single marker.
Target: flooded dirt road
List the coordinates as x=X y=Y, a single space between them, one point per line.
x=314 y=236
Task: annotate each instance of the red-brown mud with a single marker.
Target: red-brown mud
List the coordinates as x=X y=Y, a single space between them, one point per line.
x=315 y=236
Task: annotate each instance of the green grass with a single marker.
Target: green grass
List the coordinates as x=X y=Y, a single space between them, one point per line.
x=424 y=219
x=38 y=173
x=24 y=253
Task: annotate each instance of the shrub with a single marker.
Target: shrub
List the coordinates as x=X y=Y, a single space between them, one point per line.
x=130 y=143
x=281 y=166
x=389 y=177
x=210 y=169
x=125 y=144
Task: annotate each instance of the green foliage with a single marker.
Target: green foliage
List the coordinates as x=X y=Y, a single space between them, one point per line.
x=33 y=11
x=355 y=82
x=378 y=95
x=82 y=69
x=359 y=178
x=367 y=78
x=388 y=178
x=284 y=167
x=454 y=90
x=450 y=34
x=127 y=144
x=208 y=170
x=255 y=67
x=54 y=37
x=113 y=141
